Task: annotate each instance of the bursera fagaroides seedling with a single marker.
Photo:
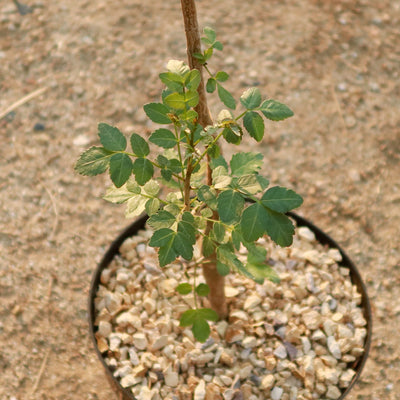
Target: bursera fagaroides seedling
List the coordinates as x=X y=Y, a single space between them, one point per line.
x=211 y=203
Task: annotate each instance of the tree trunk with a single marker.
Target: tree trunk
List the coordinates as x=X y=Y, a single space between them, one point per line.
x=214 y=280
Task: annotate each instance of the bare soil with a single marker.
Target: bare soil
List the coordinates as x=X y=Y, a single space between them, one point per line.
x=335 y=62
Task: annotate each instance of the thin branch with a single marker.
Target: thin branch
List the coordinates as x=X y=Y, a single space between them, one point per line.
x=41 y=371
x=194 y=46
x=22 y=101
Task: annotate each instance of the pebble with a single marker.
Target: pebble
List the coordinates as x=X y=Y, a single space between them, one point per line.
x=249 y=342
x=200 y=391
x=333 y=392
x=267 y=382
x=160 y=342
x=171 y=379
x=276 y=393
x=140 y=341
x=280 y=352
x=251 y=302
x=334 y=347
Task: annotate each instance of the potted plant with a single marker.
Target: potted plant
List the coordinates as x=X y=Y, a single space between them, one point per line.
x=210 y=214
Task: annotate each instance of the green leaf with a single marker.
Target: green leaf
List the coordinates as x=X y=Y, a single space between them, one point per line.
x=275 y=111
x=172 y=81
x=161 y=237
x=187 y=226
x=201 y=330
x=111 y=138
x=183 y=246
x=175 y=100
x=281 y=199
x=192 y=98
x=230 y=136
x=166 y=174
x=221 y=76
x=157 y=112
x=143 y=170
x=188 y=318
x=208 y=247
x=218 y=45
x=120 y=168
x=184 y=288
x=251 y=98
x=162 y=219
x=254 y=124
x=151 y=188
x=210 y=34
x=254 y=222
x=226 y=97
x=118 y=195
x=237 y=237
x=208 y=314
x=93 y=161
x=208 y=195
x=230 y=205
x=163 y=138
x=211 y=85
x=202 y=290
x=219 y=232
x=135 y=206
x=222 y=269
x=226 y=255
x=262 y=271
x=246 y=163
x=139 y=146
x=193 y=79
x=152 y=206
x=251 y=183
x=279 y=228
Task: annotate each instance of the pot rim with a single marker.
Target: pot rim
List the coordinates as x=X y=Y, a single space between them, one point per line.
x=322 y=238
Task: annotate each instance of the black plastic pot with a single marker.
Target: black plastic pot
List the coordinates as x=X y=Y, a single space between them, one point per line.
x=323 y=238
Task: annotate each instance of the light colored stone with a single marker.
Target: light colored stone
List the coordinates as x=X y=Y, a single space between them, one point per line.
x=276 y=393
x=171 y=379
x=233 y=334
x=306 y=233
x=270 y=363
x=334 y=347
x=150 y=305
x=200 y=391
x=249 y=342
x=127 y=318
x=312 y=319
x=245 y=371
x=251 y=302
x=104 y=329
x=346 y=378
x=267 y=382
x=160 y=342
x=333 y=392
x=280 y=351
x=130 y=380
x=306 y=344
x=221 y=328
x=140 y=341
x=231 y=291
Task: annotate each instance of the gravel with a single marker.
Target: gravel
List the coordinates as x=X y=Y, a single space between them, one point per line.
x=303 y=339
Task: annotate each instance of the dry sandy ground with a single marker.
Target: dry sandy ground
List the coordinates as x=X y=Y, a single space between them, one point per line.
x=335 y=62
